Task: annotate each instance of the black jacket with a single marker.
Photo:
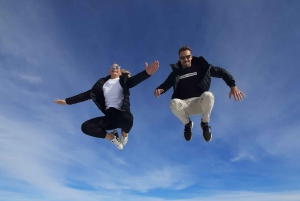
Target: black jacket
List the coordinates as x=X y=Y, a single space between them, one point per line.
x=96 y=92
x=204 y=84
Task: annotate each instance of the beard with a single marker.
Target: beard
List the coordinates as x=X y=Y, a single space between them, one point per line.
x=186 y=64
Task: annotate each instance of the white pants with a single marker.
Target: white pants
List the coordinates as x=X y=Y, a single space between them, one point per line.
x=193 y=106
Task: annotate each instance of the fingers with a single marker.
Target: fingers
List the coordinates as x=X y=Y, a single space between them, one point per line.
x=234 y=95
x=60 y=102
x=152 y=68
x=157 y=92
x=155 y=65
x=242 y=94
x=238 y=96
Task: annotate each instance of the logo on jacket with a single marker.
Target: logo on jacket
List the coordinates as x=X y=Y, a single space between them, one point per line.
x=188 y=75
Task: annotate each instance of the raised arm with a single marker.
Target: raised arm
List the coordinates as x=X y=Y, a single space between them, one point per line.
x=138 y=78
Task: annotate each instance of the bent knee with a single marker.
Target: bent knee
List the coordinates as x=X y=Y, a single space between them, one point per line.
x=84 y=128
x=208 y=94
x=127 y=116
x=176 y=104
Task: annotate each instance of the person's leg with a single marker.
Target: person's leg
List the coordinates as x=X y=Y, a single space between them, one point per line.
x=180 y=109
x=125 y=122
x=97 y=127
x=202 y=105
x=207 y=101
x=194 y=106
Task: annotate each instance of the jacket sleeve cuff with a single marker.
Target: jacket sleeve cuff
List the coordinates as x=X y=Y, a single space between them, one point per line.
x=68 y=101
x=147 y=73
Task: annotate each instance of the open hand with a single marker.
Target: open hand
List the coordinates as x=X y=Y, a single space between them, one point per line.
x=60 y=102
x=152 y=68
x=237 y=94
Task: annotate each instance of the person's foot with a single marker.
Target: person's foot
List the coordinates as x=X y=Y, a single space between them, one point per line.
x=116 y=141
x=206 y=131
x=115 y=133
x=124 y=140
x=188 y=131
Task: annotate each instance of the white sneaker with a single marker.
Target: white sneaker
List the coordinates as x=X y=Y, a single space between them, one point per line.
x=124 y=140
x=117 y=142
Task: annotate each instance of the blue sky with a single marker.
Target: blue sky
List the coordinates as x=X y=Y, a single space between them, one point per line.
x=57 y=49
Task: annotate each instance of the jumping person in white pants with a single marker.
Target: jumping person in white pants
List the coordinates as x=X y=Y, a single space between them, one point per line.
x=190 y=78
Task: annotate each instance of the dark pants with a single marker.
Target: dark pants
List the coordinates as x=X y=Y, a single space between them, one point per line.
x=114 y=118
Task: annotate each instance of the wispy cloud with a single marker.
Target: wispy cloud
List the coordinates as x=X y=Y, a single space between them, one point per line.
x=243 y=156
x=45 y=55
x=31 y=78
x=45 y=157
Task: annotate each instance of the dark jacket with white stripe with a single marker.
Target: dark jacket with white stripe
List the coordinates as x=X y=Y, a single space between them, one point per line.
x=96 y=92
x=204 y=84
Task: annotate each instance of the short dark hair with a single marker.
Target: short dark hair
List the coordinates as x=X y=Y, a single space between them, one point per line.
x=184 y=48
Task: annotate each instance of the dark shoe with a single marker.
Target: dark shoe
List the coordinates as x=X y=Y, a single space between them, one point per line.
x=206 y=131
x=188 y=131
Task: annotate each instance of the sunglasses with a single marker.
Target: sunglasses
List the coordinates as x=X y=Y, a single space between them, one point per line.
x=117 y=67
x=185 y=57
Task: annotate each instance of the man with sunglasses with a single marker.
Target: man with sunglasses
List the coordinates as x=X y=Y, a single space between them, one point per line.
x=190 y=78
x=111 y=95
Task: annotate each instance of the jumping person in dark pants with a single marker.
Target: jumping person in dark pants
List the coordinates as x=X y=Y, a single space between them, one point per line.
x=111 y=95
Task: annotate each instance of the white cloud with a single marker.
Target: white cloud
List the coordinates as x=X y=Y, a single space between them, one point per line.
x=45 y=160
x=31 y=78
x=243 y=156
x=118 y=195
x=44 y=155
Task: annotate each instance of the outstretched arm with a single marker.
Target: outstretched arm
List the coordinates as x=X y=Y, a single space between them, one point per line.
x=138 y=78
x=228 y=78
x=74 y=99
